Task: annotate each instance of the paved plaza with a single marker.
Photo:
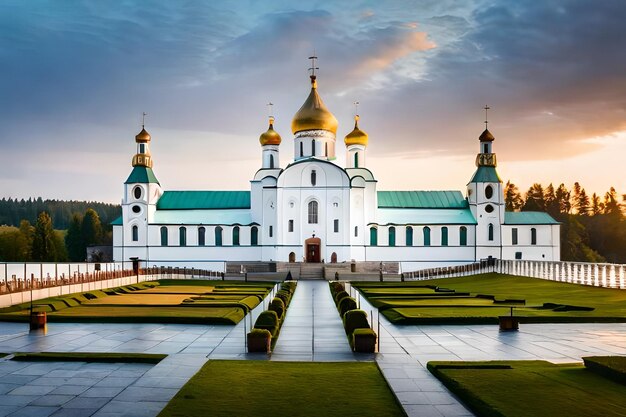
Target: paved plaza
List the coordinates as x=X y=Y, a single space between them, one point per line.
x=312 y=331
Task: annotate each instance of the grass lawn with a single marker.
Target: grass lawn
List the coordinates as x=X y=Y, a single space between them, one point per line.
x=275 y=389
x=165 y=301
x=88 y=357
x=491 y=295
x=531 y=388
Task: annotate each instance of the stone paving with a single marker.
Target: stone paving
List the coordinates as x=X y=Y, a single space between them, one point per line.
x=312 y=332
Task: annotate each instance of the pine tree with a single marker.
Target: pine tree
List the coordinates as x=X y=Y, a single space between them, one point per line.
x=611 y=203
x=43 y=241
x=535 y=199
x=91 y=228
x=25 y=241
x=581 y=200
x=563 y=198
x=74 y=239
x=549 y=198
x=512 y=197
x=596 y=205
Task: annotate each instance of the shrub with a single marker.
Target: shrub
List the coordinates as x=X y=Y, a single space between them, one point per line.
x=259 y=340
x=285 y=296
x=355 y=319
x=278 y=306
x=346 y=304
x=268 y=320
x=364 y=340
x=288 y=286
x=336 y=287
x=340 y=296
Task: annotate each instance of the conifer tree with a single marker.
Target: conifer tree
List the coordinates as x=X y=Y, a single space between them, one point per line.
x=596 y=205
x=535 y=199
x=91 y=228
x=44 y=248
x=563 y=198
x=74 y=239
x=581 y=200
x=512 y=197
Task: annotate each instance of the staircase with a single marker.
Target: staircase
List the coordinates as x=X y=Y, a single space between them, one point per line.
x=311 y=271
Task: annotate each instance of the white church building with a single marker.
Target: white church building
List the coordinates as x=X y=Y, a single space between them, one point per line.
x=313 y=210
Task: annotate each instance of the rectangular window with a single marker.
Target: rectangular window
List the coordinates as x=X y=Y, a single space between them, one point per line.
x=336 y=225
x=518 y=255
x=290 y=226
x=356 y=231
x=533 y=236
x=514 y=235
x=271 y=231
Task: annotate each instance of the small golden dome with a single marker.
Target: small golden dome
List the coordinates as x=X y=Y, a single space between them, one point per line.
x=486 y=136
x=313 y=115
x=357 y=136
x=271 y=137
x=142 y=136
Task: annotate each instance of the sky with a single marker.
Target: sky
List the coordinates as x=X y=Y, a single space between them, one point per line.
x=76 y=76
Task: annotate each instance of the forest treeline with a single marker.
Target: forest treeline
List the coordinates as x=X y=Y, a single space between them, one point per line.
x=13 y=211
x=42 y=240
x=593 y=227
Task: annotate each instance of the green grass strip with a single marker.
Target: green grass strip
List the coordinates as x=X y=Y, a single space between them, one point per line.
x=88 y=357
x=531 y=388
x=277 y=389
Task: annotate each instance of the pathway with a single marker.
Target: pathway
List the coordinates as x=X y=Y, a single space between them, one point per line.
x=312 y=330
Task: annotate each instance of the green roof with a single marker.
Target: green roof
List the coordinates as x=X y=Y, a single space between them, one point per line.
x=117 y=222
x=424 y=216
x=142 y=175
x=421 y=199
x=486 y=174
x=528 y=217
x=197 y=200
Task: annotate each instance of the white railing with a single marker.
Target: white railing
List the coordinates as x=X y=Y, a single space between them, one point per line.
x=592 y=274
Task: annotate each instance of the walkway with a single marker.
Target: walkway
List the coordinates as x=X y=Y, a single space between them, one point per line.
x=313 y=330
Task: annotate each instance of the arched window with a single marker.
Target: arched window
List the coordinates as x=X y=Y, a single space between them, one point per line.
x=271 y=161
x=313 y=178
x=313 y=212
x=533 y=236
x=444 y=236
x=356 y=159
x=201 y=236
x=163 y=236
x=218 y=236
x=313 y=147
x=409 y=236
x=236 y=236
x=463 y=236
x=490 y=237
x=373 y=236
x=254 y=236
x=392 y=236
x=182 y=236
x=301 y=149
x=485 y=148
x=136 y=233
x=426 y=236
x=292 y=257
x=333 y=258
x=137 y=192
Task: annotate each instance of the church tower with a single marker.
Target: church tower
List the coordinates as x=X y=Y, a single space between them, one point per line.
x=356 y=143
x=314 y=126
x=141 y=193
x=486 y=199
x=270 y=141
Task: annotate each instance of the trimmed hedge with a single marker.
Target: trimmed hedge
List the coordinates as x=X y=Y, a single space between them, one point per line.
x=278 y=306
x=268 y=320
x=611 y=367
x=345 y=305
x=364 y=340
x=355 y=319
x=340 y=296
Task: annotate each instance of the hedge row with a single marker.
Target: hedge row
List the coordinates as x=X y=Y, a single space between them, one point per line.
x=361 y=337
x=263 y=336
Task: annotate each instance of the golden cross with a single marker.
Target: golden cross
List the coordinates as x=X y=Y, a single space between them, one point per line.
x=486 y=119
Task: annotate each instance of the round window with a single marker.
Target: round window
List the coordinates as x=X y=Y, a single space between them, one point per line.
x=136 y=209
x=488 y=208
x=137 y=192
x=489 y=191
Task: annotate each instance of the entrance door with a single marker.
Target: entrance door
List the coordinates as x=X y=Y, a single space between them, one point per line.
x=312 y=249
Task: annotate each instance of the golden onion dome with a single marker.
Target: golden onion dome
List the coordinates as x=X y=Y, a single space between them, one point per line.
x=270 y=137
x=313 y=115
x=357 y=136
x=142 y=136
x=486 y=136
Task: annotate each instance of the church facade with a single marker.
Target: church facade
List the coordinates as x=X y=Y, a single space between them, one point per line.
x=314 y=210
